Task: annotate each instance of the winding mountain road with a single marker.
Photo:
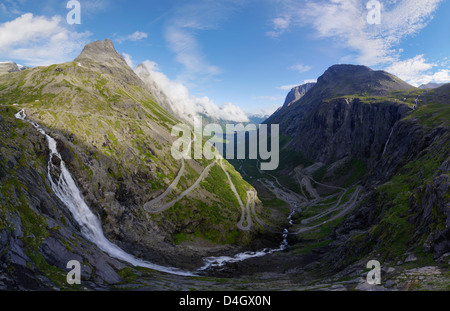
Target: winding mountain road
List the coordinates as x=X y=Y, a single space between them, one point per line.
x=148 y=206
x=154 y=206
x=345 y=209
x=300 y=203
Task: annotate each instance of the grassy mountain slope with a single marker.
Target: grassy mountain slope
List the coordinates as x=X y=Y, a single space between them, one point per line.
x=116 y=140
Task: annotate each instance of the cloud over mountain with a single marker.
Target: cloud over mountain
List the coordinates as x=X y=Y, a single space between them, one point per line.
x=181 y=102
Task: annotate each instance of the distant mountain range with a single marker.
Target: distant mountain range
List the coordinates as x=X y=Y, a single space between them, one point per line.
x=431 y=86
x=257 y=118
x=7 y=67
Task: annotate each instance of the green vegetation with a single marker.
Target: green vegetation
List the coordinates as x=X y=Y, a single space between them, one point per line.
x=307 y=246
x=394 y=232
x=352 y=171
x=407 y=97
x=319 y=174
x=196 y=219
x=214 y=221
x=115 y=135
x=432 y=115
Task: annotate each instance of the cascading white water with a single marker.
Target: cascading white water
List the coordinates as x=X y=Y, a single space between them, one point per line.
x=68 y=192
x=217 y=262
x=388 y=141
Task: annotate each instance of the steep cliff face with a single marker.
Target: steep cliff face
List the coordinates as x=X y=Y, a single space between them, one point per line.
x=401 y=134
x=297 y=93
x=408 y=207
x=337 y=81
x=347 y=127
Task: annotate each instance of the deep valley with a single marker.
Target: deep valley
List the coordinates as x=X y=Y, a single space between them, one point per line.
x=363 y=175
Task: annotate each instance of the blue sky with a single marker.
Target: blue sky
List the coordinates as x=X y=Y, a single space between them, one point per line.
x=243 y=53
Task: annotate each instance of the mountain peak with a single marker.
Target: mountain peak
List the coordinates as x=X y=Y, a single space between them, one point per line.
x=7 y=67
x=349 y=67
x=341 y=80
x=101 y=52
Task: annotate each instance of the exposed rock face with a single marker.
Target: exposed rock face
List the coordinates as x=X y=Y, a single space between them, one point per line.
x=102 y=52
x=296 y=93
x=338 y=80
x=347 y=127
x=354 y=112
x=8 y=67
x=328 y=123
x=427 y=206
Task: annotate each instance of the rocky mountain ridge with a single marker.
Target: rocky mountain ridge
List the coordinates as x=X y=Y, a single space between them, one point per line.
x=7 y=67
x=296 y=93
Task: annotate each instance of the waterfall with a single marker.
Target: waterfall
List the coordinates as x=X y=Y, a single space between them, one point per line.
x=387 y=142
x=68 y=192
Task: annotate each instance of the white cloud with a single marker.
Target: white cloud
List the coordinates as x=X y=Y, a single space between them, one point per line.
x=291 y=86
x=182 y=103
x=184 y=44
x=410 y=68
x=38 y=40
x=300 y=68
x=280 y=25
x=269 y=98
x=287 y=87
x=344 y=21
x=128 y=59
x=418 y=71
x=182 y=30
x=310 y=81
x=136 y=36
